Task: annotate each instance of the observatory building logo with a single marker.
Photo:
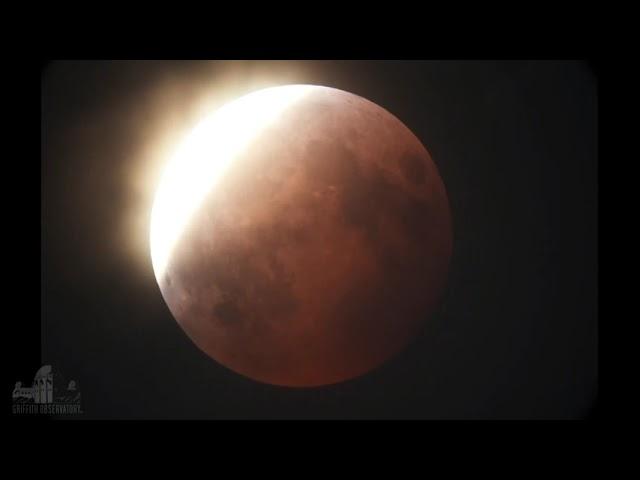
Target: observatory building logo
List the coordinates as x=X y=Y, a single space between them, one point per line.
x=49 y=394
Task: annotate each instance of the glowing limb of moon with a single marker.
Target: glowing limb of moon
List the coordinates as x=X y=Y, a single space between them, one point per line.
x=203 y=157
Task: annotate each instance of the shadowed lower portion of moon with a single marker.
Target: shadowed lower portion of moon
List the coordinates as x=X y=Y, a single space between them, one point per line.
x=321 y=252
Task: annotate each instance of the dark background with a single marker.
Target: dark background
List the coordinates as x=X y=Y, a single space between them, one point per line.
x=517 y=335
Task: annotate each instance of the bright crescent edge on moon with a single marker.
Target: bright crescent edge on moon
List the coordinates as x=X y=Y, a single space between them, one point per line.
x=202 y=158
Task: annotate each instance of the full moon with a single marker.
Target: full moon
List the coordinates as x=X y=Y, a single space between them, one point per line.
x=301 y=235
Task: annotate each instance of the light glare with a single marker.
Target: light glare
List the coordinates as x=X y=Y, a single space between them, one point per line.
x=203 y=157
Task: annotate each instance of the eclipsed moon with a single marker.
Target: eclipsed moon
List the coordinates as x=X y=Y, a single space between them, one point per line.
x=301 y=235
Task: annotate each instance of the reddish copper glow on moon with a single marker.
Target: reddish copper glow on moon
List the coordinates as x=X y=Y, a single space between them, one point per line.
x=321 y=251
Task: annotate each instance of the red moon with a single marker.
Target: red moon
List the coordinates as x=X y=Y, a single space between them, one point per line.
x=320 y=249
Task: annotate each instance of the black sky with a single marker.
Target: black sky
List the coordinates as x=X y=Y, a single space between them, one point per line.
x=516 y=145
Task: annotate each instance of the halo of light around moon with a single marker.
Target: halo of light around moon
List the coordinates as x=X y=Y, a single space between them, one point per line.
x=202 y=158
x=301 y=235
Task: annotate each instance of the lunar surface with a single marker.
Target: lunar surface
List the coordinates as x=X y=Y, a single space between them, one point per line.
x=316 y=247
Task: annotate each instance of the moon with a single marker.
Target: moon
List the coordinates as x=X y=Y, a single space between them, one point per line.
x=301 y=236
